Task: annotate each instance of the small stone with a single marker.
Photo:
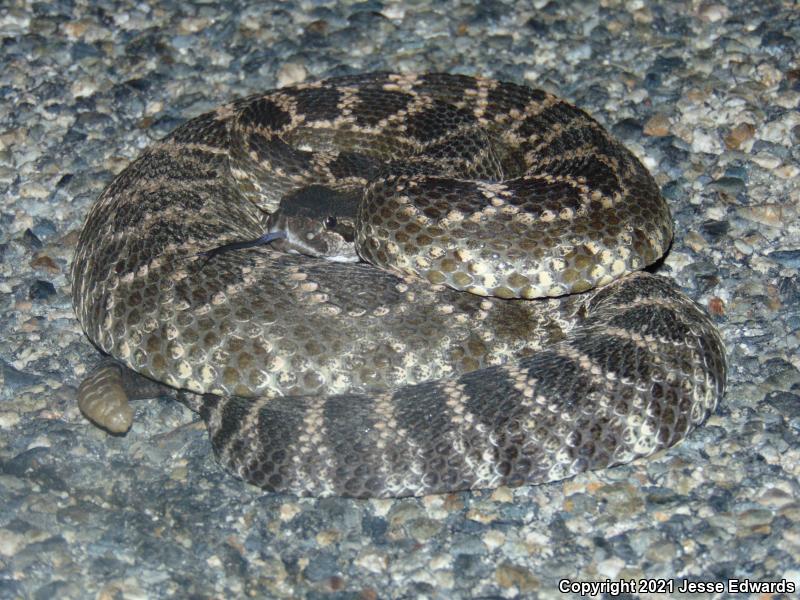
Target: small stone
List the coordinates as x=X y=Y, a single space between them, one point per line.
x=374 y=527
x=291 y=73
x=403 y=514
x=729 y=185
x=8 y=419
x=714 y=12
x=374 y=562
x=716 y=306
x=610 y=568
x=494 y=539
x=15 y=379
x=45 y=263
x=643 y=16
x=328 y=537
x=288 y=511
x=788 y=171
x=440 y=561
x=83 y=88
x=395 y=12
x=739 y=135
x=11 y=542
x=769 y=75
x=754 y=517
x=509 y=576
x=45 y=229
x=31 y=325
x=75 y=29
x=661 y=552
x=766 y=160
x=41 y=290
x=424 y=529
x=192 y=25
x=31 y=240
x=620 y=498
x=70 y=239
x=695 y=241
x=777 y=41
x=453 y=503
x=775 y=498
x=502 y=494
x=768 y=214
x=787 y=258
x=481 y=516
x=318 y=28
x=706 y=141
x=615 y=26
x=743 y=247
x=627 y=129
x=779 y=130
x=657 y=126
x=667 y=64
x=714 y=230
x=322 y=566
x=335 y=583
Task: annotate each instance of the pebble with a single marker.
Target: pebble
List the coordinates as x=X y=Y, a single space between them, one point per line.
x=695 y=241
x=610 y=568
x=322 y=566
x=45 y=263
x=494 y=539
x=516 y=577
x=627 y=129
x=657 y=125
x=374 y=562
x=706 y=141
x=503 y=494
x=743 y=247
x=739 y=136
x=729 y=185
x=766 y=160
x=715 y=230
x=787 y=258
x=31 y=240
x=768 y=214
x=423 y=529
x=291 y=74
x=41 y=290
x=777 y=41
x=714 y=12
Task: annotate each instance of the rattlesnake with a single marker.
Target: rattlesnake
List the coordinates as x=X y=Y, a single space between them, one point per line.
x=506 y=340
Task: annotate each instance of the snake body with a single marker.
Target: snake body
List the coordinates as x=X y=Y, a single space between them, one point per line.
x=506 y=339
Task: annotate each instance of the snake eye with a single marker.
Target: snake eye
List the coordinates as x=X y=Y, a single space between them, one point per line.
x=330 y=223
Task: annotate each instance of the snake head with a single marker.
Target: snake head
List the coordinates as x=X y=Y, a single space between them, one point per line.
x=318 y=221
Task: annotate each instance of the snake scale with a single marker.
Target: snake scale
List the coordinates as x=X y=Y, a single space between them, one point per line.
x=455 y=301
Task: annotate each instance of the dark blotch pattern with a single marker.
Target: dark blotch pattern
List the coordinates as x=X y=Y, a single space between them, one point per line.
x=264 y=113
x=317 y=104
x=375 y=105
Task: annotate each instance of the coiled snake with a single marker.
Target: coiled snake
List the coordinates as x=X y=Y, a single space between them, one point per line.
x=506 y=338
